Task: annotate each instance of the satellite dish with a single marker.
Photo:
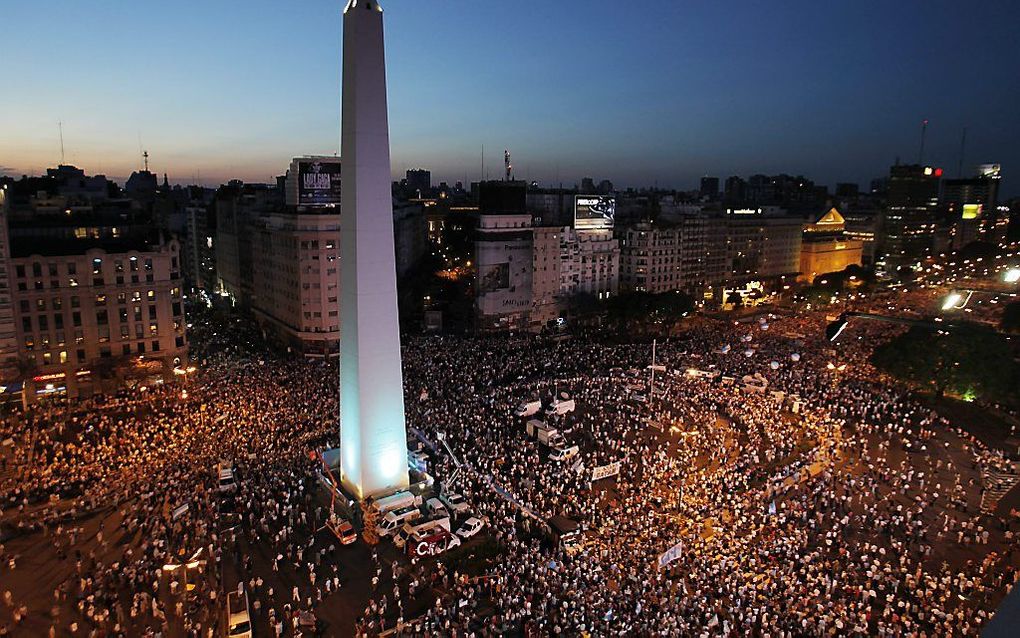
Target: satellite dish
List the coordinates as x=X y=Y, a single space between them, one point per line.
x=794 y=357
x=774 y=365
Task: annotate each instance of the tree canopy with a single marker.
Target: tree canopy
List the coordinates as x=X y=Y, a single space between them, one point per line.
x=969 y=361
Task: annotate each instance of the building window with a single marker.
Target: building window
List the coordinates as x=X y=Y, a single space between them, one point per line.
x=102 y=318
x=20 y=270
x=155 y=346
x=40 y=304
x=37 y=270
x=25 y=306
x=179 y=342
x=63 y=356
x=134 y=264
x=154 y=329
x=26 y=324
x=97 y=266
x=151 y=295
x=141 y=347
x=80 y=354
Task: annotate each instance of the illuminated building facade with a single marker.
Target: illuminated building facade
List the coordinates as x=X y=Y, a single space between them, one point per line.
x=825 y=247
x=87 y=319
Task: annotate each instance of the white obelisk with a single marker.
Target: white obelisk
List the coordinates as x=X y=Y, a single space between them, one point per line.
x=373 y=445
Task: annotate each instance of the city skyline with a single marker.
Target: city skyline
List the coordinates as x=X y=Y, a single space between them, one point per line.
x=657 y=96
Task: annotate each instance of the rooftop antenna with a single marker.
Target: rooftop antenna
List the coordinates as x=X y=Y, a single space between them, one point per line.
x=506 y=163
x=924 y=132
x=481 y=177
x=963 y=148
x=145 y=159
x=60 y=127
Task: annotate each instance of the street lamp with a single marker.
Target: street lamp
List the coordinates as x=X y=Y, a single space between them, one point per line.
x=1011 y=276
x=836 y=328
x=956 y=300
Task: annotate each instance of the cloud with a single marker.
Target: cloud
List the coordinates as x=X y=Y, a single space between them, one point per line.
x=7 y=170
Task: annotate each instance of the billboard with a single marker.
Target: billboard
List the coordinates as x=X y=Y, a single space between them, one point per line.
x=494 y=277
x=594 y=211
x=971 y=211
x=318 y=183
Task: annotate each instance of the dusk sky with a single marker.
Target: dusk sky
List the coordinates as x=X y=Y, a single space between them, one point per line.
x=637 y=92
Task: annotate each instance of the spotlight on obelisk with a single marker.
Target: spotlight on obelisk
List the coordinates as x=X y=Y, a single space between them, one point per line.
x=373 y=444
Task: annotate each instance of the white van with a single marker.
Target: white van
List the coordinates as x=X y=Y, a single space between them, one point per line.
x=225 y=478
x=528 y=408
x=396 y=501
x=392 y=521
x=564 y=453
x=560 y=406
x=435 y=507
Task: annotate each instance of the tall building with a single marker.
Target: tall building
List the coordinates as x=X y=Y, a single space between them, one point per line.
x=863 y=225
x=664 y=258
x=709 y=188
x=8 y=333
x=970 y=207
x=295 y=279
x=908 y=229
x=373 y=445
x=419 y=181
x=735 y=190
x=569 y=262
x=504 y=261
x=761 y=245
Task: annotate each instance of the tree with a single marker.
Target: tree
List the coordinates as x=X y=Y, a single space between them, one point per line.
x=640 y=310
x=1011 y=317
x=968 y=360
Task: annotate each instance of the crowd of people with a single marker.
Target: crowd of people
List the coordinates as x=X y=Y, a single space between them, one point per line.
x=827 y=500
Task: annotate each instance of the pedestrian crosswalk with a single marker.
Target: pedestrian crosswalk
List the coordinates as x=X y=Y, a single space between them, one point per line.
x=997 y=485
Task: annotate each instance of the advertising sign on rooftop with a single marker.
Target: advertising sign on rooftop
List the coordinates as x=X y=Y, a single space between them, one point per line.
x=318 y=183
x=592 y=212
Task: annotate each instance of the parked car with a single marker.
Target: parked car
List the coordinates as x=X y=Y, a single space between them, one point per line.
x=470 y=527
x=455 y=503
